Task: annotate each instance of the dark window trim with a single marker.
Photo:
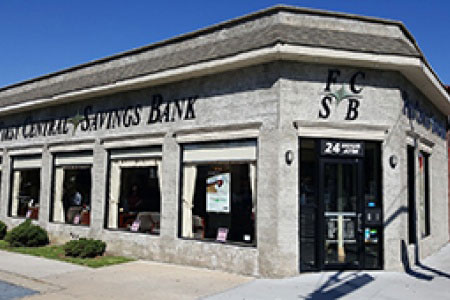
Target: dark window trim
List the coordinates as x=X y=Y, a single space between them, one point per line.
x=427 y=195
x=411 y=189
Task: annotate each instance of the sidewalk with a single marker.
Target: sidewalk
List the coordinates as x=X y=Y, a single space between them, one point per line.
x=149 y=280
x=134 y=280
x=431 y=280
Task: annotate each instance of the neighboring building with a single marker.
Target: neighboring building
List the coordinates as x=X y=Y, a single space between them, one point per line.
x=283 y=141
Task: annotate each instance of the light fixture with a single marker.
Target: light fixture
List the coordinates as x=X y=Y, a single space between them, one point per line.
x=393 y=161
x=289 y=156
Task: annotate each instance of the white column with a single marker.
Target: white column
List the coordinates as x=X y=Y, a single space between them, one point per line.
x=58 y=208
x=15 y=193
x=189 y=177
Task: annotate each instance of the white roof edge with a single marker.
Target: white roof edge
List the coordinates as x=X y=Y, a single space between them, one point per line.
x=413 y=68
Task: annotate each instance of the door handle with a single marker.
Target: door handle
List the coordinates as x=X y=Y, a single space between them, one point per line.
x=359 y=222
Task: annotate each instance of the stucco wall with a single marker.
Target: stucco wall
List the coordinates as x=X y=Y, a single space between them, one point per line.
x=269 y=98
x=381 y=104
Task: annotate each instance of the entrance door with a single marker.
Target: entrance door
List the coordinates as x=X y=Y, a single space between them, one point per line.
x=340 y=223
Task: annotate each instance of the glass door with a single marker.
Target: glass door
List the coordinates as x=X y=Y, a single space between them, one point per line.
x=340 y=195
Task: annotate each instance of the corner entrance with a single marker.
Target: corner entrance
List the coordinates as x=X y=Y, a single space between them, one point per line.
x=340 y=205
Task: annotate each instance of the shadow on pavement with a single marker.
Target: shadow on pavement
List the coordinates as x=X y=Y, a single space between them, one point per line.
x=336 y=287
x=407 y=266
x=11 y=291
x=432 y=270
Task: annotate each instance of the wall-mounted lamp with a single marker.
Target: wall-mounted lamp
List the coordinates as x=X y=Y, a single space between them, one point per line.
x=393 y=161
x=289 y=156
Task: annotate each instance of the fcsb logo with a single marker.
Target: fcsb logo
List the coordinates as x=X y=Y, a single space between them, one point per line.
x=341 y=94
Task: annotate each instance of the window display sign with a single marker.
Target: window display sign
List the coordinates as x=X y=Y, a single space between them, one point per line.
x=218 y=193
x=135 y=226
x=76 y=220
x=222 y=234
x=342 y=148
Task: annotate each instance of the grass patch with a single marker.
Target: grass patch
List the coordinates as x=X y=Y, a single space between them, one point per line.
x=57 y=252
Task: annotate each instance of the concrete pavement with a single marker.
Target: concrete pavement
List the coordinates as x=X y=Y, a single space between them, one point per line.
x=149 y=280
x=430 y=280
x=134 y=280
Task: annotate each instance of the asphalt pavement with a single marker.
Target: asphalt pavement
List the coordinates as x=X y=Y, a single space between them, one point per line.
x=10 y=291
x=51 y=279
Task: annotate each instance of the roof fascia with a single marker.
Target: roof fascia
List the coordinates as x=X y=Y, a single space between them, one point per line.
x=413 y=68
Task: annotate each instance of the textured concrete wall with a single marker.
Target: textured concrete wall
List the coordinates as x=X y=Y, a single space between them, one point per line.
x=230 y=99
x=274 y=96
x=381 y=103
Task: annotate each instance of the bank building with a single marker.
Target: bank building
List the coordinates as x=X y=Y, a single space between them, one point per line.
x=284 y=141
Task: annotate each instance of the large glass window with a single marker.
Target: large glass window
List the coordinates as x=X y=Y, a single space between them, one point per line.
x=135 y=190
x=219 y=192
x=72 y=185
x=25 y=187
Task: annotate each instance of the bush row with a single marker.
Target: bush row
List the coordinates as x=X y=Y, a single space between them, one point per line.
x=84 y=248
x=27 y=235
x=30 y=235
x=3 y=229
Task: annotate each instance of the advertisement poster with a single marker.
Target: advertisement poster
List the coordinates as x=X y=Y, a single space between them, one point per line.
x=218 y=193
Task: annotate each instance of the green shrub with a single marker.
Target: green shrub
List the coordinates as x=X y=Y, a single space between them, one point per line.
x=27 y=235
x=84 y=248
x=3 y=229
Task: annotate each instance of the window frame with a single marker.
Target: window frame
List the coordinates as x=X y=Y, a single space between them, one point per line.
x=54 y=166
x=11 y=180
x=182 y=163
x=155 y=153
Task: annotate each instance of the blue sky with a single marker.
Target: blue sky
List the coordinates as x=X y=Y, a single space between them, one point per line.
x=43 y=36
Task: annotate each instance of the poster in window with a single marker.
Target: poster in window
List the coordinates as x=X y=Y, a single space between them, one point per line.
x=218 y=193
x=222 y=234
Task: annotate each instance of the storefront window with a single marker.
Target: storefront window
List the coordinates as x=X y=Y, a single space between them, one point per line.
x=72 y=188
x=26 y=183
x=219 y=192
x=135 y=190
